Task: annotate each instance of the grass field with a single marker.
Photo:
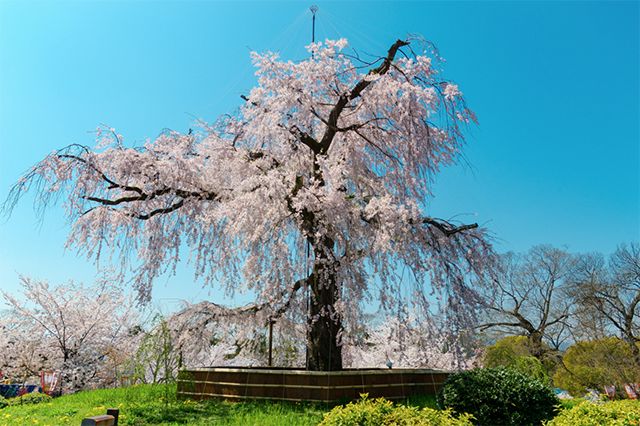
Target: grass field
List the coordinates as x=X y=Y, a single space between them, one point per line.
x=157 y=405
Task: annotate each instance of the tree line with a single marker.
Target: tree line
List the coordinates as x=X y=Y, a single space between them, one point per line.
x=576 y=314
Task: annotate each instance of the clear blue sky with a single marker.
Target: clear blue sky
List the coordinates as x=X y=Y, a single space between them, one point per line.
x=555 y=86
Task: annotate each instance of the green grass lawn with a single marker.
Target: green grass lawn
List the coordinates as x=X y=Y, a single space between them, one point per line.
x=157 y=405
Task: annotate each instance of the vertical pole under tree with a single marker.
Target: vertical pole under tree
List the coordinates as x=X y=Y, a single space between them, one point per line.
x=270 y=342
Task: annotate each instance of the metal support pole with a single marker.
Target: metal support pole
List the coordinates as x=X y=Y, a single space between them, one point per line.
x=313 y=10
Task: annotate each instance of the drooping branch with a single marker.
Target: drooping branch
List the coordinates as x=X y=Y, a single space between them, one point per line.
x=447 y=228
x=141 y=194
x=302 y=136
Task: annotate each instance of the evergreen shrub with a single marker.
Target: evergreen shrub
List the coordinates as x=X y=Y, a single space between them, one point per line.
x=499 y=396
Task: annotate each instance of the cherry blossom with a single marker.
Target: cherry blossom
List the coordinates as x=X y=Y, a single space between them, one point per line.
x=84 y=332
x=315 y=195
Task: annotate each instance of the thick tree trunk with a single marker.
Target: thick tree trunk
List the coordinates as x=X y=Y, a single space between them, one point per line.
x=535 y=345
x=324 y=350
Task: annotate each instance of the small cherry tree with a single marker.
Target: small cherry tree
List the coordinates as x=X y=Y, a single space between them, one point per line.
x=71 y=328
x=314 y=196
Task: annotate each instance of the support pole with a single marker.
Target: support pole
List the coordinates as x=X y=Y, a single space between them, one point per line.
x=271 y=342
x=313 y=10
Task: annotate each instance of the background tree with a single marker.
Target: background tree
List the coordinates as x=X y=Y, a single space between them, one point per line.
x=515 y=352
x=609 y=293
x=22 y=357
x=74 y=329
x=409 y=342
x=594 y=364
x=336 y=153
x=528 y=296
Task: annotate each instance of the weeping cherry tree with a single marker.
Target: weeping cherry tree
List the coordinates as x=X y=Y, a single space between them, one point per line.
x=314 y=196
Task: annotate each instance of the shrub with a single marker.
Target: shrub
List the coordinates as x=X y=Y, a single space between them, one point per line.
x=3 y=402
x=380 y=412
x=30 y=398
x=613 y=413
x=498 y=396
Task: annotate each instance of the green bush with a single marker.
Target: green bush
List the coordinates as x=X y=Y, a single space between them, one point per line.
x=615 y=413
x=29 y=398
x=3 y=402
x=380 y=412
x=498 y=396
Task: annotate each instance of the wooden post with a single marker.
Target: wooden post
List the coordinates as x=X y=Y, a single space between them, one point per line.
x=115 y=413
x=109 y=419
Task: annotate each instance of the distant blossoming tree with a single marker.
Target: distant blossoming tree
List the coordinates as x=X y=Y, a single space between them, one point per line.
x=318 y=186
x=410 y=342
x=84 y=332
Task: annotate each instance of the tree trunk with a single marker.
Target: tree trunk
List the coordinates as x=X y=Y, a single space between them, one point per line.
x=324 y=324
x=635 y=351
x=535 y=345
x=631 y=341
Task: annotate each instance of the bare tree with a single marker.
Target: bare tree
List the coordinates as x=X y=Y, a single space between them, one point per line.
x=609 y=292
x=527 y=296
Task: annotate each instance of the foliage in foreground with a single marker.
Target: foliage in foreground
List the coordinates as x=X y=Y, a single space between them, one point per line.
x=379 y=411
x=143 y=405
x=499 y=396
x=615 y=413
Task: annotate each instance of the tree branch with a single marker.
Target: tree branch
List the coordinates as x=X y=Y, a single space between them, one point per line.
x=356 y=91
x=447 y=228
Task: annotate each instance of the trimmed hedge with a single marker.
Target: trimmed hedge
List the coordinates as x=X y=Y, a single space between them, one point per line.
x=381 y=412
x=499 y=396
x=29 y=398
x=614 y=413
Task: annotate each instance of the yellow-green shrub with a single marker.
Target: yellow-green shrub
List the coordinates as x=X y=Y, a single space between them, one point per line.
x=615 y=413
x=381 y=412
x=29 y=398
